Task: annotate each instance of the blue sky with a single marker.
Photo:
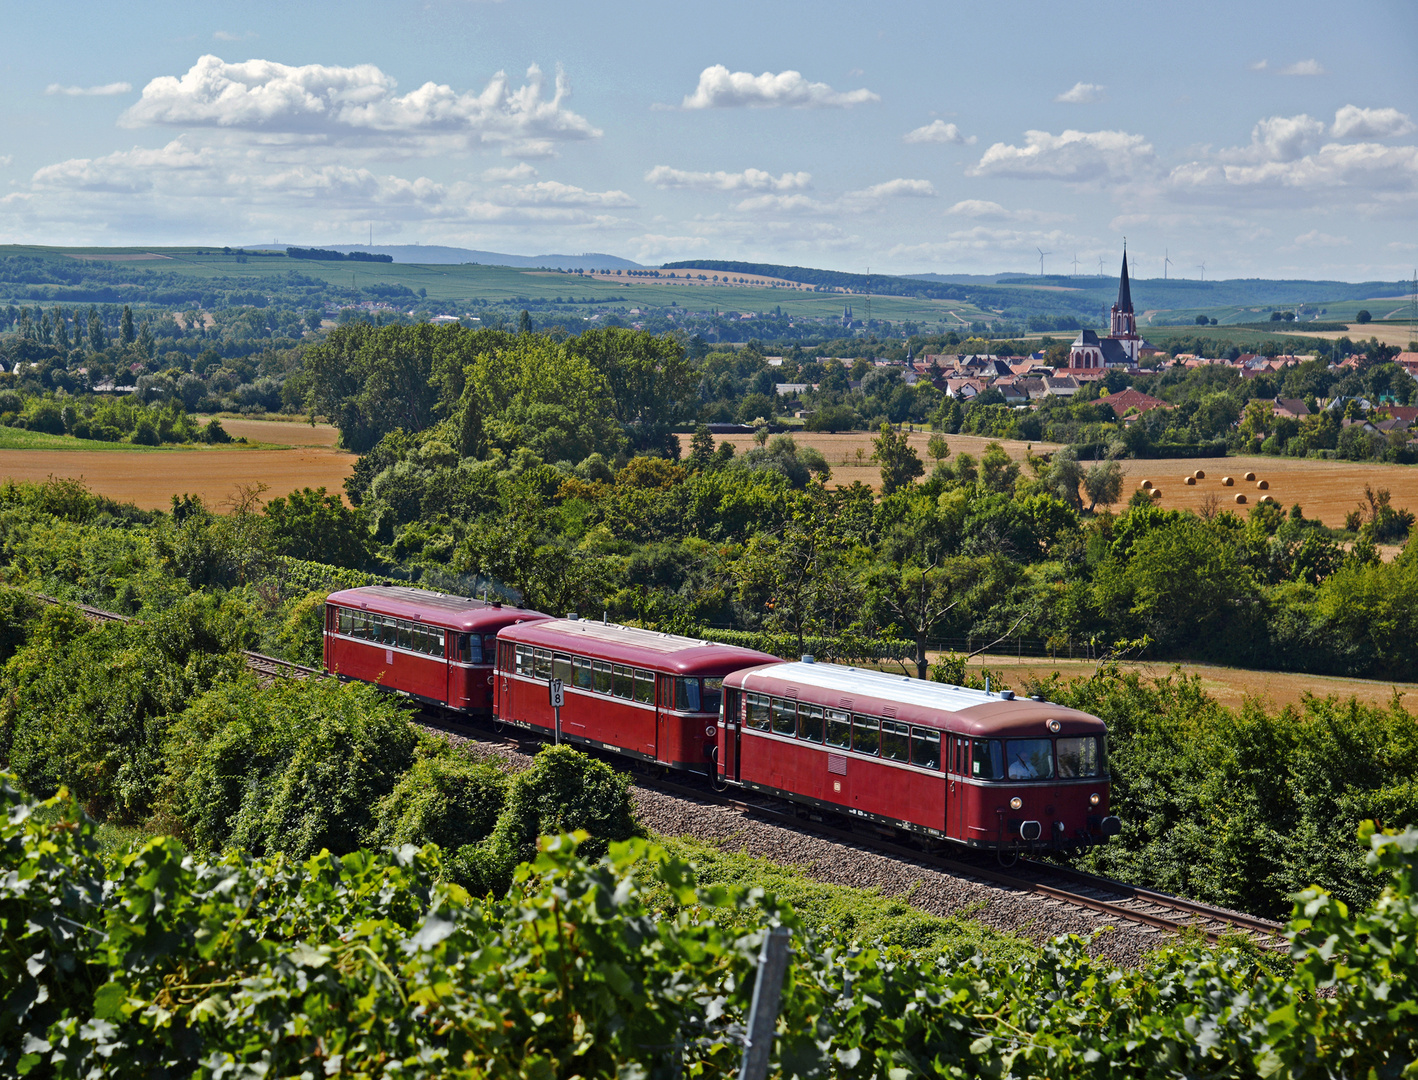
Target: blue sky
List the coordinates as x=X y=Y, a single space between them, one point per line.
x=1276 y=140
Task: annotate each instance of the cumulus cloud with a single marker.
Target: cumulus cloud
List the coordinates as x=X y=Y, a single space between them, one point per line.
x=896 y=189
x=1260 y=65
x=1074 y=156
x=1303 y=67
x=783 y=204
x=555 y=193
x=359 y=104
x=1282 y=138
x=721 y=88
x=937 y=131
x=1315 y=238
x=106 y=90
x=227 y=35
x=985 y=210
x=520 y=171
x=1352 y=122
x=1362 y=166
x=664 y=176
x=1082 y=93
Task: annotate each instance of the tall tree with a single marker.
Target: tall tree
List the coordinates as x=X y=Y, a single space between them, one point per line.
x=61 y=328
x=126 y=332
x=97 y=339
x=900 y=464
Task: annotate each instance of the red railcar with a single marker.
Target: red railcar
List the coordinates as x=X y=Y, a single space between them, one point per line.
x=986 y=770
x=649 y=695
x=421 y=644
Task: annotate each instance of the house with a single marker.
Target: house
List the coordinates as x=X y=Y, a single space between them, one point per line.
x=1014 y=394
x=964 y=389
x=1131 y=401
x=1064 y=386
x=1034 y=387
x=793 y=389
x=1290 y=408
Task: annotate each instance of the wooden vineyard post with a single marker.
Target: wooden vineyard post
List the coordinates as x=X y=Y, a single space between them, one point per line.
x=767 y=995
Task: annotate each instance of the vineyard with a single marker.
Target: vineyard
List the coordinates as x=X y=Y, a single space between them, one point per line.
x=371 y=965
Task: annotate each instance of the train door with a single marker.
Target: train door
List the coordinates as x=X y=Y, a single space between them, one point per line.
x=729 y=734
x=666 y=742
x=502 y=680
x=955 y=796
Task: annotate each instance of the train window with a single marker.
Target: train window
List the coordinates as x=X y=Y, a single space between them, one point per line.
x=866 y=736
x=473 y=654
x=810 y=723
x=602 y=672
x=895 y=740
x=1029 y=759
x=839 y=729
x=1078 y=756
x=504 y=655
x=361 y=625
x=489 y=647
x=541 y=663
x=561 y=668
x=624 y=681
x=582 y=668
x=344 y=616
x=711 y=694
x=389 y=631
x=785 y=717
x=758 y=714
x=925 y=748
x=524 y=660
x=687 y=695
x=988 y=761
x=644 y=687
x=406 y=634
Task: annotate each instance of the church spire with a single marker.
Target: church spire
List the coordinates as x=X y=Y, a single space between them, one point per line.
x=1124 y=290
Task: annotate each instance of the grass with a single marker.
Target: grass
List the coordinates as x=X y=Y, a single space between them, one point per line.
x=866 y=914
x=24 y=439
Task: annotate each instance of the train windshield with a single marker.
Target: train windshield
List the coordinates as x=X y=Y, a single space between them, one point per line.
x=1029 y=759
x=1079 y=756
x=698 y=695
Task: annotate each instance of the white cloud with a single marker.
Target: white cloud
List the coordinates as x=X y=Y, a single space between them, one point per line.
x=1363 y=166
x=555 y=193
x=937 y=131
x=896 y=189
x=1282 y=138
x=1082 y=93
x=749 y=180
x=1352 y=122
x=1074 y=156
x=721 y=88
x=6 y=160
x=985 y=210
x=1303 y=67
x=1260 y=65
x=227 y=35
x=787 y=204
x=106 y=90
x=358 y=104
x=1315 y=238
x=520 y=171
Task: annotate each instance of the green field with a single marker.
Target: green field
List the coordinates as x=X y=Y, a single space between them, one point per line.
x=479 y=284
x=22 y=439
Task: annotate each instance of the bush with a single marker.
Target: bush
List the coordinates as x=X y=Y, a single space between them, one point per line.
x=444 y=799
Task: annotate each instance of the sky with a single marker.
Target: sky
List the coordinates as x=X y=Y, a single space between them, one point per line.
x=1220 y=139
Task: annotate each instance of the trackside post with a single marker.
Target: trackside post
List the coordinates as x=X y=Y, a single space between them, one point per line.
x=558 y=695
x=767 y=995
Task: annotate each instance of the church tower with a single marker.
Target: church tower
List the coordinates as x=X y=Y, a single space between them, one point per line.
x=1124 y=321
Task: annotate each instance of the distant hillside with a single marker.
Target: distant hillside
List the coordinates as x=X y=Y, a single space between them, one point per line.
x=433 y=254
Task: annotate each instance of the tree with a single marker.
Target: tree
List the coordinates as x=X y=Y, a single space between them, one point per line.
x=1104 y=483
x=1363 y=317
x=917 y=595
x=146 y=341
x=126 y=333
x=97 y=339
x=524 y=322
x=1202 y=320
x=701 y=447
x=998 y=471
x=937 y=447
x=318 y=527
x=900 y=464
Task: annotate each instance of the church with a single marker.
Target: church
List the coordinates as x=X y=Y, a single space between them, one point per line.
x=1120 y=347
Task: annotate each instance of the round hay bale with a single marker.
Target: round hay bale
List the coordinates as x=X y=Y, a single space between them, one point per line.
x=1200 y=474
x=1240 y=499
x=1226 y=481
x=1263 y=484
x=1267 y=498
x=1250 y=476
x=1147 y=485
x=1156 y=493
x=1190 y=481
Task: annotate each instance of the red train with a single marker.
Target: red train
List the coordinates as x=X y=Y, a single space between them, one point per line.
x=421 y=644
x=985 y=770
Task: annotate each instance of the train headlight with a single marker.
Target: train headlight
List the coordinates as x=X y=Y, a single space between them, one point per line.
x=1094 y=800
x=1055 y=726
x=1016 y=803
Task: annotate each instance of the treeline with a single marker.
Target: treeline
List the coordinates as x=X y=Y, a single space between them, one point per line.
x=325 y=255
x=169 y=964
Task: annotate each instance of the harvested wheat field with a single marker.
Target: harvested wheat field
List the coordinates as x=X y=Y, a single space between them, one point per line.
x=1229 y=686
x=840 y=450
x=150 y=478
x=1327 y=490
x=282 y=430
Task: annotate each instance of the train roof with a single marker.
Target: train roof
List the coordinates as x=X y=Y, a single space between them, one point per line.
x=956 y=708
x=437 y=609
x=632 y=645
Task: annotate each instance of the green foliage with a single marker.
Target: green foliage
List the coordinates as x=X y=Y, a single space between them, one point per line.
x=293 y=768
x=300 y=636
x=444 y=799
x=315 y=527
x=177 y=967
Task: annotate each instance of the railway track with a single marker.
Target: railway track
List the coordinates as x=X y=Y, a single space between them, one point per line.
x=1050 y=882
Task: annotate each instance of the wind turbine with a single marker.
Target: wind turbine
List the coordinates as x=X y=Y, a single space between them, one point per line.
x=1042 y=253
x=1166 y=262
x=1075 y=264
x=1100 y=266
x=1202 y=268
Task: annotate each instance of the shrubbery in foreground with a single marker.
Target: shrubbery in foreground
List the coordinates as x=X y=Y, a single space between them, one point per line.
x=368 y=965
